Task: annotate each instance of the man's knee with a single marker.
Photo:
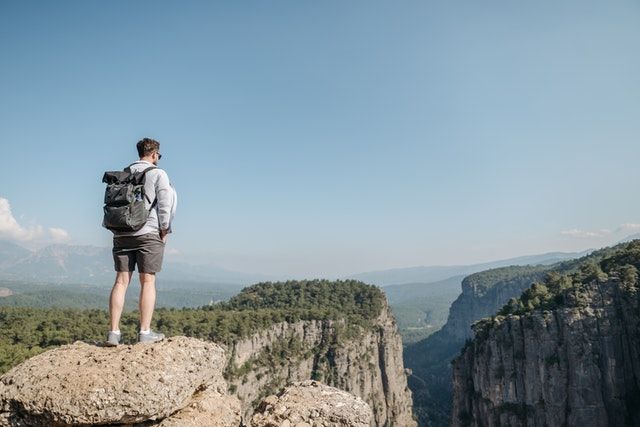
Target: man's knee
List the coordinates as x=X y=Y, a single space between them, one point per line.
x=147 y=278
x=123 y=278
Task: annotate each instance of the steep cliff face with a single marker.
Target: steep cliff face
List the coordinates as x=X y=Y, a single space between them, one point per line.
x=482 y=295
x=571 y=358
x=367 y=364
x=485 y=293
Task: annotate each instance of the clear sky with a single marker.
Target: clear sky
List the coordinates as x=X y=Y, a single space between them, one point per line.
x=333 y=137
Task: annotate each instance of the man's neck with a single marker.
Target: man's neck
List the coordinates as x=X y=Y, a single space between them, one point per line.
x=146 y=159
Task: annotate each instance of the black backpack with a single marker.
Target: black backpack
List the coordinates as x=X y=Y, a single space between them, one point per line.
x=124 y=206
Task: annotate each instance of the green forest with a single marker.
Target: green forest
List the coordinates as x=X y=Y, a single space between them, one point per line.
x=27 y=331
x=565 y=286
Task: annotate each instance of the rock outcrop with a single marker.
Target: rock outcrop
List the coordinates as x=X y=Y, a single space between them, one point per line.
x=368 y=365
x=574 y=364
x=176 y=382
x=310 y=403
x=84 y=384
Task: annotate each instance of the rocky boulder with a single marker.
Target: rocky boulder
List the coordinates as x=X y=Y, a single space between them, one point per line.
x=82 y=384
x=312 y=404
x=207 y=408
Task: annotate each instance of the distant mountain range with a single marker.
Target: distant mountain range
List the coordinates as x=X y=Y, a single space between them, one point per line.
x=428 y=274
x=62 y=263
x=93 y=265
x=10 y=253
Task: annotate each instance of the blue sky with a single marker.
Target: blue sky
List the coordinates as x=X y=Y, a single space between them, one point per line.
x=327 y=138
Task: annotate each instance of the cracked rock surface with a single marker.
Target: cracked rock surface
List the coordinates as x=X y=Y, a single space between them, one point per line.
x=312 y=404
x=83 y=384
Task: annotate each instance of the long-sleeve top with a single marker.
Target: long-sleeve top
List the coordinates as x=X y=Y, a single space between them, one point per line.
x=156 y=186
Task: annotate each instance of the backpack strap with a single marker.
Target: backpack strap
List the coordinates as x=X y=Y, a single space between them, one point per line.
x=148 y=169
x=128 y=168
x=155 y=201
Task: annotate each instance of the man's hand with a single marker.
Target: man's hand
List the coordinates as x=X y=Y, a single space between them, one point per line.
x=164 y=235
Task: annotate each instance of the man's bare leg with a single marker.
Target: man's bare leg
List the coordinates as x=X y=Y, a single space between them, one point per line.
x=116 y=300
x=147 y=299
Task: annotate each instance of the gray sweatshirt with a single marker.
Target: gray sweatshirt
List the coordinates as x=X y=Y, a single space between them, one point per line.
x=156 y=185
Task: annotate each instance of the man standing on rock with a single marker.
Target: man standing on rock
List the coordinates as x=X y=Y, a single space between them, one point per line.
x=144 y=247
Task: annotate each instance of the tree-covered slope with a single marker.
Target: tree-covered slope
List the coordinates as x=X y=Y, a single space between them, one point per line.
x=26 y=331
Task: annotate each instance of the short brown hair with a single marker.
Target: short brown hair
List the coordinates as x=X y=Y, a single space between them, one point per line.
x=147 y=146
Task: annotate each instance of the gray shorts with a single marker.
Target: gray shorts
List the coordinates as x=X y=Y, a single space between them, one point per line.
x=145 y=250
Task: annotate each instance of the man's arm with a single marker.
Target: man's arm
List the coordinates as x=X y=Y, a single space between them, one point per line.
x=164 y=195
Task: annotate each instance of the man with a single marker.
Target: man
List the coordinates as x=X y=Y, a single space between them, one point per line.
x=145 y=247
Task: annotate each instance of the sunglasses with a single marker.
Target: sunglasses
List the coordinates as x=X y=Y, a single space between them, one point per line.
x=159 y=155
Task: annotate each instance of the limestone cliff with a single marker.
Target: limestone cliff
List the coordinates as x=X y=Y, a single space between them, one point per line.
x=367 y=364
x=567 y=352
x=482 y=295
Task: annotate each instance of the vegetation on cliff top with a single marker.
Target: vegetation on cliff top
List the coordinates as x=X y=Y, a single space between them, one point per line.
x=26 y=331
x=567 y=288
x=483 y=282
x=349 y=297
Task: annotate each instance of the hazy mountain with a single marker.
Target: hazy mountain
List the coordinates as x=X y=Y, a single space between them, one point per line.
x=175 y=271
x=94 y=265
x=63 y=263
x=429 y=274
x=409 y=292
x=10 y=253
x=89 y=264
